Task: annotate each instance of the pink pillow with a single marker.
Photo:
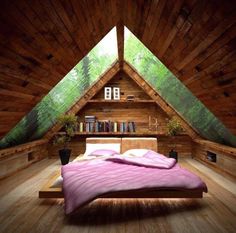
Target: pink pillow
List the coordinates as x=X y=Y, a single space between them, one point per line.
x=103 y=152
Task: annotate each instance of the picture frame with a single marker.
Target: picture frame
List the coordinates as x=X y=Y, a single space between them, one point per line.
x=116 y=93
x=107 y=93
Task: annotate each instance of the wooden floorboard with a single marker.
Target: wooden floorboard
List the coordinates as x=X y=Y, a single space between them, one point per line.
x=22 y=211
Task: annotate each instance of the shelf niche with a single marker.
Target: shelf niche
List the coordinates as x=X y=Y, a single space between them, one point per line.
x=140 y=110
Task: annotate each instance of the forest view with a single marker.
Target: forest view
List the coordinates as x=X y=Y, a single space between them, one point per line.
x=37 y=122
x=175 y=92
x=44 y=115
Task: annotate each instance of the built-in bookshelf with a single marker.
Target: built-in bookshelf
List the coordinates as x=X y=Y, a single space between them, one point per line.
x=139 y=116
x=106 y=126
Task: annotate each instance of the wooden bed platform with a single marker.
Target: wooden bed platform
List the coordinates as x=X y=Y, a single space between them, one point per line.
x=50 y=192
x=126 y=143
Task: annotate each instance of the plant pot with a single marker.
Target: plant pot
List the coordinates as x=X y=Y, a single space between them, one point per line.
x=64 y=156
x=173 y=154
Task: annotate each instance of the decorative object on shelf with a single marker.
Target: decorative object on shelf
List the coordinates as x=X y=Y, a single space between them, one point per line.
x=107 y=93
x=69 y=125
x=116 y=93
x=173 y=128
x=152 y=123
x=130 y=97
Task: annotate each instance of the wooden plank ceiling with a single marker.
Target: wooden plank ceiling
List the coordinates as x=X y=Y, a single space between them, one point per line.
x=40 y=42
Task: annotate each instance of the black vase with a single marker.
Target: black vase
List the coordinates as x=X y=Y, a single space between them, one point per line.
x=64 y=156
x=173 y=154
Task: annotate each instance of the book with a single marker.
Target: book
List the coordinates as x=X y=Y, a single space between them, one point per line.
x=81 y=127
x=115 y=127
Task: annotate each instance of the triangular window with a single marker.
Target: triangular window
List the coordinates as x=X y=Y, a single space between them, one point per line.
x=42 y=117
x=174 y=91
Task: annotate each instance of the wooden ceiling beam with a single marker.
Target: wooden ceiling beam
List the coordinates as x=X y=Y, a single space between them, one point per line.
x=120 y=43
x=159 y=100
x=97 y=86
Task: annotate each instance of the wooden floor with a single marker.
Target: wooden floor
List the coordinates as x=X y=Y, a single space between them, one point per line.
x=22 y=211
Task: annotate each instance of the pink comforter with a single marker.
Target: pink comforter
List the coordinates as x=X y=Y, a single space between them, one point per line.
x=86 y=180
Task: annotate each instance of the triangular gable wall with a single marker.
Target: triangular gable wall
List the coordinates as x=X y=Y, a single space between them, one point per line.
x=222 y=134
x=96 y=88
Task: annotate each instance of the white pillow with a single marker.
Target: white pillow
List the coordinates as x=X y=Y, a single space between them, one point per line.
x=136 y=152
x=90 y=147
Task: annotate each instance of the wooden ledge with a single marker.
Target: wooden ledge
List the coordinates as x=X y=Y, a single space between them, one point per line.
x=22 y=147
x=216 y=146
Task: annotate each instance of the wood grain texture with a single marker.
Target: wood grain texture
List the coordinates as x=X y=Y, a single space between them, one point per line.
x=86 y=97
x=40 y=42
x=225 y=157
x=138 y=112
x=215 y=213
x=196 y=41
x=16 y=158
x=159 y=100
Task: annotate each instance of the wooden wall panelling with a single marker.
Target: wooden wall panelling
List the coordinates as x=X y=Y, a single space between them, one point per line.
x=231 y=151
x=55 y=51
x=26 y=43
x=131 y=111
x=181 y=143
x=161 y=102
x=125 y=112
x=183 y=36
x=127 y=87
x=18 y=69
x=225 y=160
x=153 y=19
x=225 y=42
x=40 y=41
x=77 y=146
x=47 y=41
x=163 y=27
x=120 y=43
x=216 y=29
x=19 y=157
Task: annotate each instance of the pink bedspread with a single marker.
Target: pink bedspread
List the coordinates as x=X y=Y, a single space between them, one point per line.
x=86 y=180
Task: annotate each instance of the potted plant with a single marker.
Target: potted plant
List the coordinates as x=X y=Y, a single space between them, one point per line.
x=69 y=126
x=174 y=128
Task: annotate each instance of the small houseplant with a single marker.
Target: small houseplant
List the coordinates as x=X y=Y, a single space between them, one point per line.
x=173 y=128
x=69 y=126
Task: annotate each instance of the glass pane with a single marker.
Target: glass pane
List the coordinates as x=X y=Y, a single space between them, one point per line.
x=174 y=92
x=35 y=124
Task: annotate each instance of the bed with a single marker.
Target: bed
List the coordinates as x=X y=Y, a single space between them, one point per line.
x=107 y=187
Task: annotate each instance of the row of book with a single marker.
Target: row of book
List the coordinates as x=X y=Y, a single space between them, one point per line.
x=107 y=126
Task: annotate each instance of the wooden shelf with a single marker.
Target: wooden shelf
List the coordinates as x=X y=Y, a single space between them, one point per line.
x=144 y=134
x=120 y=101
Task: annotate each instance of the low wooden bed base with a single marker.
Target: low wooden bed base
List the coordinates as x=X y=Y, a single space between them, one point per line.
x=126 y=143
x=48 y=192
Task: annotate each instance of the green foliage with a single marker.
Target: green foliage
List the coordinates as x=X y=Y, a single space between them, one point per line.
x=66 y=93
x=175 y=92
x=174 y=127
x=69 y=124
x=61 y=140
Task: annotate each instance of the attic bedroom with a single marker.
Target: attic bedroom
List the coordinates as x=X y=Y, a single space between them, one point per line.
x=117 y=116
